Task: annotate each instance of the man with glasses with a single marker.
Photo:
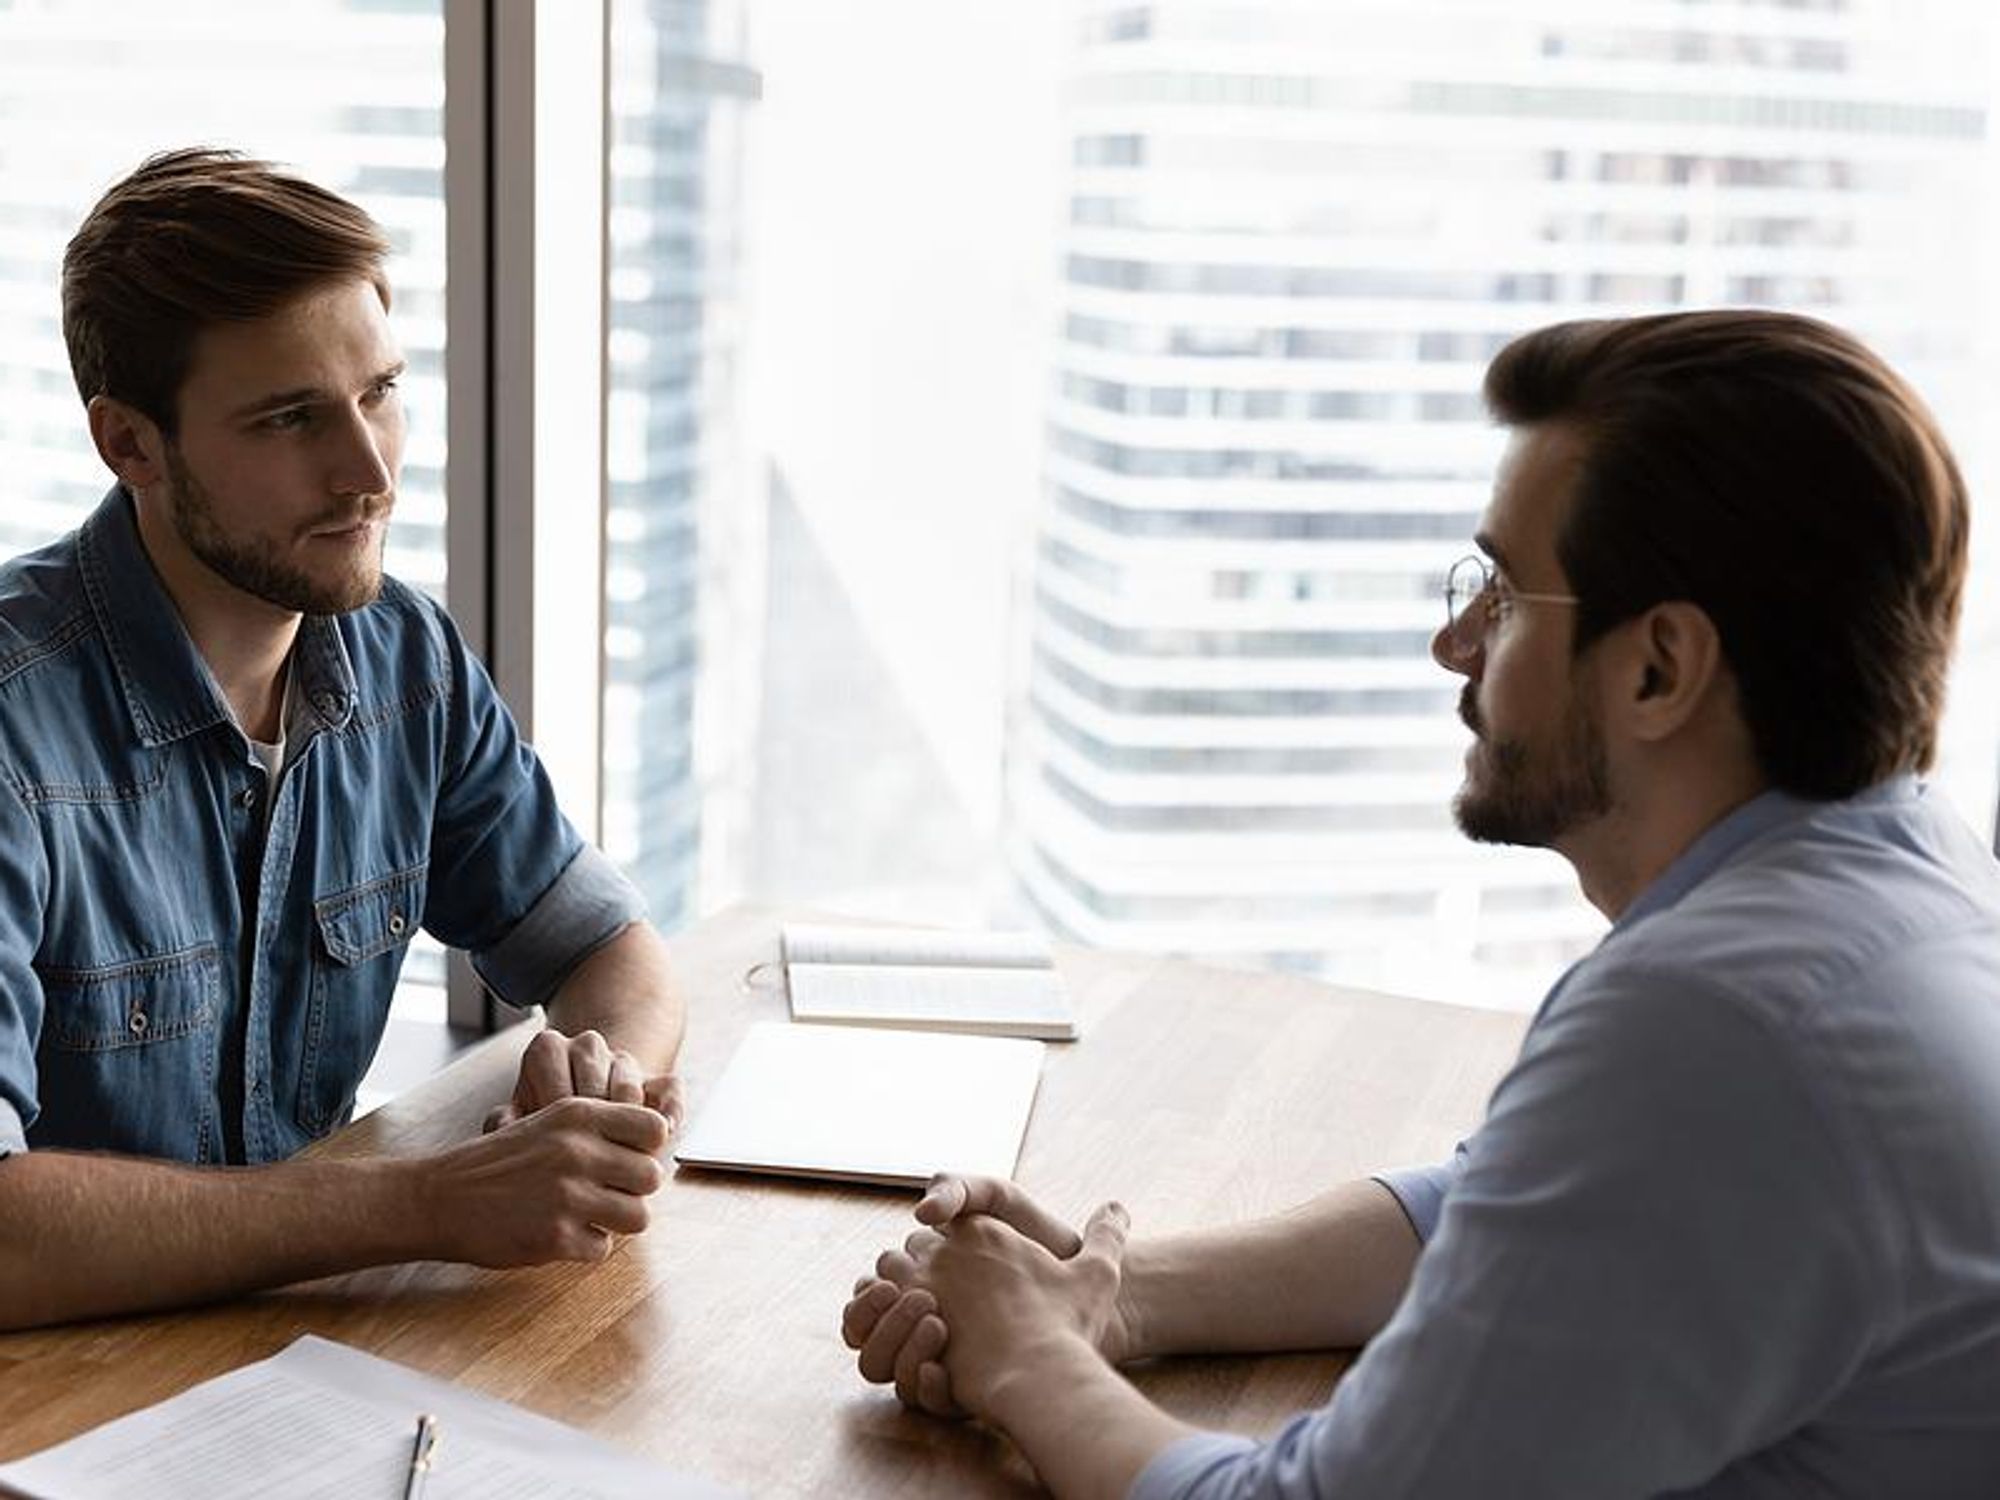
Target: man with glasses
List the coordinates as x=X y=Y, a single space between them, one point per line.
x=1731 y=1226
x=239 y=768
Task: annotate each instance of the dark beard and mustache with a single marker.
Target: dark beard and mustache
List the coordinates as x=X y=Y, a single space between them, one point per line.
x=1532 y=797
x=256 y=566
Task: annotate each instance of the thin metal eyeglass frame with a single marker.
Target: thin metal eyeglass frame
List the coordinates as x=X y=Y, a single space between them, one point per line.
x=1489 y=591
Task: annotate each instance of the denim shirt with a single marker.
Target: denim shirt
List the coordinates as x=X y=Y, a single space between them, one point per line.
x=196 y=958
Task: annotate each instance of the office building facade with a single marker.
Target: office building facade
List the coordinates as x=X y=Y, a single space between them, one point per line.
x=683 y=555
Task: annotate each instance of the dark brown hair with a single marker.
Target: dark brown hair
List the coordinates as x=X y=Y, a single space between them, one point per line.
x=1772 y=471
x=194 y=238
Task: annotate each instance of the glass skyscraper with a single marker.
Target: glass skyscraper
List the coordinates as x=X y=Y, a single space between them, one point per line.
x=683 y=585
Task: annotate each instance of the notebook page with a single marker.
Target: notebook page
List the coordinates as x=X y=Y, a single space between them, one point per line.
x=814 y=943
x=1010 y=1002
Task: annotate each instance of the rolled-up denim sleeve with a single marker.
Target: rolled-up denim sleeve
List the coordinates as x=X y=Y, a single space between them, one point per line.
x=511 y=881
x=23 y=900
x=590 y=904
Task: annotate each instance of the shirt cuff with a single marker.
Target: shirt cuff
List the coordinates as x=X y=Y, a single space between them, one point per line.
x=590 y=903
x=13 y=1135
x=1181 y=1468
x=1420 y=1191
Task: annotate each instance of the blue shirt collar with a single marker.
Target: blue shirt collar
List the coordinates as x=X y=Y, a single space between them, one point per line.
x=1716 y=846
x=168 y=689
x=1722 y=840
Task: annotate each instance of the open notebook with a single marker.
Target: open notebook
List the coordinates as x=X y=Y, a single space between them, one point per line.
x=865 y=1105
x=992 y=983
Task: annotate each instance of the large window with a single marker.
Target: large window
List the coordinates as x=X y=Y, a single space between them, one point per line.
x=1115 y=381
x=683 y=589
x=1033 y=435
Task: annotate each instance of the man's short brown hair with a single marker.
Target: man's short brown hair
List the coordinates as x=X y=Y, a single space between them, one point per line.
x=194 y=238
x=1771 y=470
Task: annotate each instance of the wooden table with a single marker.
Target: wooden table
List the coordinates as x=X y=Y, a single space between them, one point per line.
x=711 y=1342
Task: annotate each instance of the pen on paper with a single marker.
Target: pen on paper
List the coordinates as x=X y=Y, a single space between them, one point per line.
x=420 y=1456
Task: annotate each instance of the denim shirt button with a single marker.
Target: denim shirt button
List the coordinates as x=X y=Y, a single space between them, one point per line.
x=138 y=1023
x=397 y=923
x=247 y=798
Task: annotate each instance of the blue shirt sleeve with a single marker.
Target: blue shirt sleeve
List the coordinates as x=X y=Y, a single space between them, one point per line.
x=1653 y=1262
x=1185 y=1467
x=511 y=881
x=1422 y=1190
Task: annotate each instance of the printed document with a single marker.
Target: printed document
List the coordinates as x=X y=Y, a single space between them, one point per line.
x=321 y=1421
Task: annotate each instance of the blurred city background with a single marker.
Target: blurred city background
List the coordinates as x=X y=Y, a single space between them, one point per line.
x=1038 y=429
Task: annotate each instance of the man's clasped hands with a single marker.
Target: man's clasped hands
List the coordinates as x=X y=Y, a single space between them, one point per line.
x=991 y=1295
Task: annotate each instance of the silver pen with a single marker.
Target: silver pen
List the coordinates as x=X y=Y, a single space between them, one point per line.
x=420 y=1456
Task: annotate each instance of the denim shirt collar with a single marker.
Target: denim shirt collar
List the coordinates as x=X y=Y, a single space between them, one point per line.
x=168 y=688
x=1721 y=841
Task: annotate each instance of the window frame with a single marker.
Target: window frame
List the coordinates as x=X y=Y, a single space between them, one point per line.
x=527 y=96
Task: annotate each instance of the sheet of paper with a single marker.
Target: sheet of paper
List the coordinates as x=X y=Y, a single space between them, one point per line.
x=321 y=1421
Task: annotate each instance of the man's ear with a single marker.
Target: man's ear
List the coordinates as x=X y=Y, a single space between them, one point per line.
x=1676 y=659
x=130 y=442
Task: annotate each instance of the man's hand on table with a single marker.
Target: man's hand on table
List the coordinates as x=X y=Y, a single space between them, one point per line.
x=585 y=1066
x=559 y=1183
x=970 y=1297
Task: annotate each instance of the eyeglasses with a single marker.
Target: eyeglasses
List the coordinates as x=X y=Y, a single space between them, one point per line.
x=1470 y=586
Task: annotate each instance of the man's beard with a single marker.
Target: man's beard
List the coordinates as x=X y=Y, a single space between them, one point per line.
x=255 y=564
x=1513 y=799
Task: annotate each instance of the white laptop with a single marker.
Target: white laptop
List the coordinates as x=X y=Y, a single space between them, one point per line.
x=864 y=1104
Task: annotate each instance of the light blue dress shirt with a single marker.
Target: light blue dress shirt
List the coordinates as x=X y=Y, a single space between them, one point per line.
x=1731 y=1227
x=197 y=958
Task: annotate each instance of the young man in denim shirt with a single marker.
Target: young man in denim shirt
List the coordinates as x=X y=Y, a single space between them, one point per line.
x=239 y=768
x=1731 y=1226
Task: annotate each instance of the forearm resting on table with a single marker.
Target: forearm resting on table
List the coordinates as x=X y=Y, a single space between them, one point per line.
x=1088 y=1433
x=88 y=1235
x=1325 y=1275
x=625 y=991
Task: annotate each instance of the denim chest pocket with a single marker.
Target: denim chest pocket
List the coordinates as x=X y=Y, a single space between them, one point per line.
x=127 y=1055
x=363 y=933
